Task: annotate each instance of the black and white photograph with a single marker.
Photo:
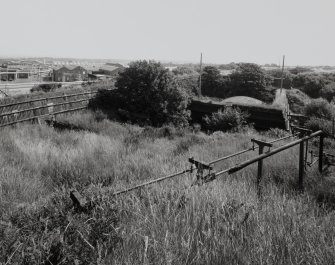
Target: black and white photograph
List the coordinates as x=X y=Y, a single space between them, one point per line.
x=180 y=132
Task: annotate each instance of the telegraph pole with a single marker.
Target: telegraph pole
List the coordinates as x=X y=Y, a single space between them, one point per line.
x=282 y=75
x=200 y=94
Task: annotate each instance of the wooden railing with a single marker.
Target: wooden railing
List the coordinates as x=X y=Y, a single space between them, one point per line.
x=31 y=110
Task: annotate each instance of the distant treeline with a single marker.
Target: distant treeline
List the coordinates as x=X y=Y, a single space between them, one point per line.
x=247 y=79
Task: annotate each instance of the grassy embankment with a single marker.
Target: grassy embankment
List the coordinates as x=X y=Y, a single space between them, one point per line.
x=167 y=223
x=297 y=100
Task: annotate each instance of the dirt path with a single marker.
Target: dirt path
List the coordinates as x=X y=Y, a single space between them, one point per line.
x=280 y=99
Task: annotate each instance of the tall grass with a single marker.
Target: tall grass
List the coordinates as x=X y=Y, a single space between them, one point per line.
x=222 y=222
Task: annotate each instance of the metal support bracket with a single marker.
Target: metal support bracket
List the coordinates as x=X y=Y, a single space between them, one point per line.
x=261 y=145
x=301 y=131
x=201 y=166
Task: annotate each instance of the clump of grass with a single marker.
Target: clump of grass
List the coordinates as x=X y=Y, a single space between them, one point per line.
x=168 y=223
x=53 y=232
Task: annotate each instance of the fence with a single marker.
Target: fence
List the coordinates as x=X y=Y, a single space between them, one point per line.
x=201 y=167
x=328 y=125
x=31 y=110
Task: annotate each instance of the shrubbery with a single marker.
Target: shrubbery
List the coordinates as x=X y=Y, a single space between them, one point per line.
x=316 y=124
x=149 y=90
x=45 y=87
x=226 y=120
x=320 y=108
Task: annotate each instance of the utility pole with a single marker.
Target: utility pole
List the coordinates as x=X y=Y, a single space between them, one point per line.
x=282 y=75
x=200 y=94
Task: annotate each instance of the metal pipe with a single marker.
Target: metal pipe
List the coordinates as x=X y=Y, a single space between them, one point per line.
x=246 y=150
x=301 y=166
x=260 y=157
x=321 y=152
x=154 y=181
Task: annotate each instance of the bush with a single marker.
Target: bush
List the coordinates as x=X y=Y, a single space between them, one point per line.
x=183 y=70
x=226 y=120
x=149 y=90
x=328 y=92
x=316 y=124
x=189 y=83
x=45 y=87
x=320 y=108
x=297 y=100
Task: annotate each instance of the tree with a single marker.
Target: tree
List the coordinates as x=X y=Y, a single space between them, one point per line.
x=183 y=70
x=277 y=75
x=212 y=83
x=148 y=89
x=312 y=86
x=251 y=80
x=328 y=92
x=249 y=76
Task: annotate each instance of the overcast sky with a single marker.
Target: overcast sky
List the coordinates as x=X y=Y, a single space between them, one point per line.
x=259 y=31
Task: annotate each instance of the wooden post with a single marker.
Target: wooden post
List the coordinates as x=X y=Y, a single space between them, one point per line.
x=200 y=94
x=261 y=145
x=321 y=152
x=301 y=167
x=282 y=75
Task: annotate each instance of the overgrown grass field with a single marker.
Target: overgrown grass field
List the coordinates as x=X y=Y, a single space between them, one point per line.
x=221 y=222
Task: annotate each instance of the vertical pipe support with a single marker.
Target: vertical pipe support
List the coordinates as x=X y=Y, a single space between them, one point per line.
x=321 y=152
x=259 y=172
x=301 y=166
x=261 y=145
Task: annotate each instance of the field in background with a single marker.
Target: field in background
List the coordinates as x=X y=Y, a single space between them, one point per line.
x=168 y=223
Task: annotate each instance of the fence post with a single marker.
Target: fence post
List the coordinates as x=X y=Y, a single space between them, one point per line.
x=259 y=172
x=261 y=146
x=333 y=128
x=301 y=167
x=321 y=152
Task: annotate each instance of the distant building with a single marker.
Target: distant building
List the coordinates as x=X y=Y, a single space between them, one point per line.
x=70 y=74
x=109 y=69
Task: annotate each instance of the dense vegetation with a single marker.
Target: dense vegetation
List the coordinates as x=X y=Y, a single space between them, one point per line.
x=168 y=223
x=147 y=92
x=246 y=80
x=229 y=119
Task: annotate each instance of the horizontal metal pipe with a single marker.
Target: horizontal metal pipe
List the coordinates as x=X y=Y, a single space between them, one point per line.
x=232 y=155
x=246 y=150
x=154 y=181
x=274 y=151
x=280 y=139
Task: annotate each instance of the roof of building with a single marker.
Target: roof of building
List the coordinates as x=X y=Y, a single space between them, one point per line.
x=109 y=67
x=69 y=67
x=115 y=64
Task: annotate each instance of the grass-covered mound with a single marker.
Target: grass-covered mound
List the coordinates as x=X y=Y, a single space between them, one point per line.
x=297 y=100
x=167 y=223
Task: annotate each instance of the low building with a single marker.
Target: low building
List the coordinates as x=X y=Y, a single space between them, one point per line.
x=70 y=74
x=109 y=69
